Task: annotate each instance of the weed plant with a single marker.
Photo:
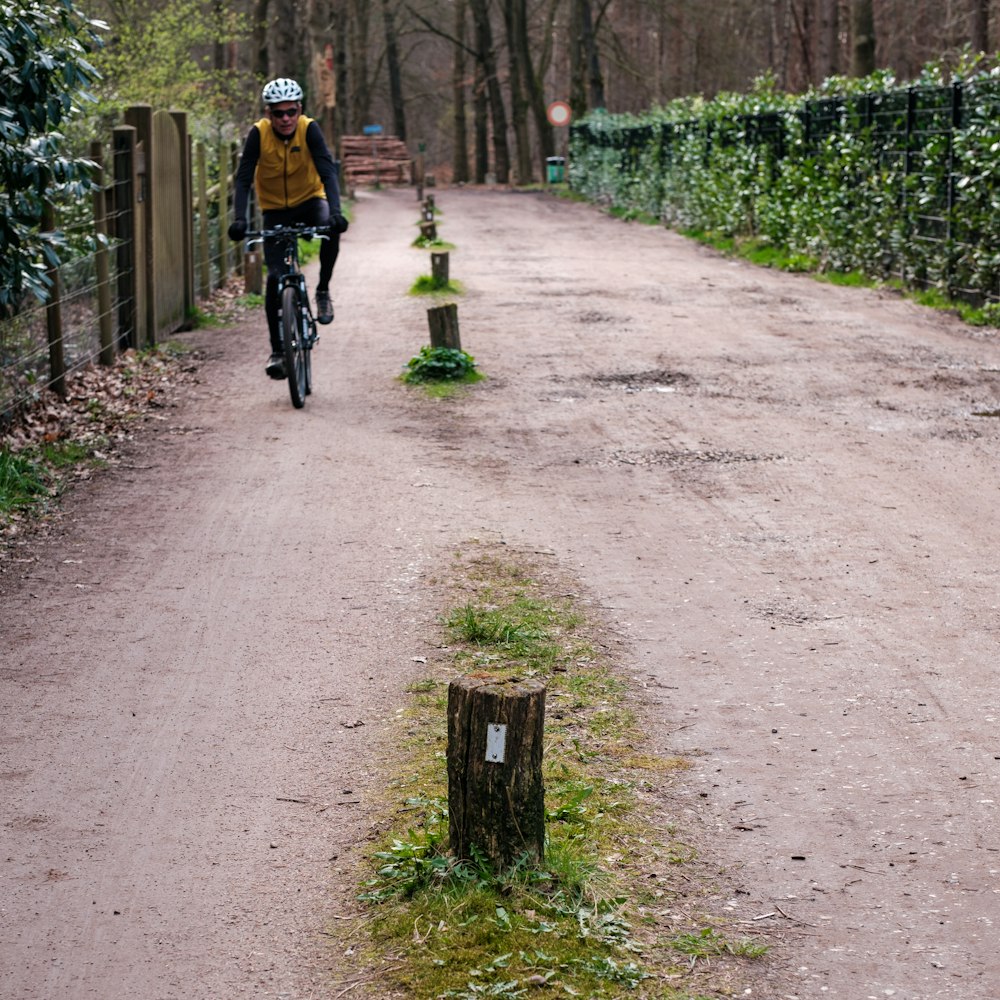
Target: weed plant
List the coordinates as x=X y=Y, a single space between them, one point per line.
x=30 y=478
x=441 y=364
x=589 y=920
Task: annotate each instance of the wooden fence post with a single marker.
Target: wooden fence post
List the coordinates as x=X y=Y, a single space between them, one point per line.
x=443 y=324
x=496 y=797
x=180 y=120
x=223 y=213
x=146 y=195
x=204 y=254
x=130 y=273
x=234 y=164
x=253 y=273
x=439 y=269
x=104 y=317
x=53 y=315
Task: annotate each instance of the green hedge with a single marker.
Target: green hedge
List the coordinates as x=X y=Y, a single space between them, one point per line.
x=864 y=175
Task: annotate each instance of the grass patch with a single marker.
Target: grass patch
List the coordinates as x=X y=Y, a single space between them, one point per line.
x=633 y=215
x=24 y=481
x=764 y=254
x=29 y=479
x=426 y=284
x=422 y=243
x=596 y=918
x=566 y=192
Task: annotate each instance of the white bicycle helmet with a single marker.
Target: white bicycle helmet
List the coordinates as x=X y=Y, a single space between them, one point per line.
x=280 y=90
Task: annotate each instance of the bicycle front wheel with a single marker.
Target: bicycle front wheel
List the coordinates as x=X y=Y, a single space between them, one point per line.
x=292 y=335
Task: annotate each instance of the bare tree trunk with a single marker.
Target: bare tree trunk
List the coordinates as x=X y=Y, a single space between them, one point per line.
x=361 y=91
x=980 y=26
x=283 y=50
x=481 y=118
x=595 y=78
x=460 y=153
x=323 y=89
x=828 y=40
x=340 y=70
x=577 y=71
x=518 y=100
x=395 y=73
x=801 y=71
x=498 y=113
x=260 y=16
x=863 y=46
x=533 y=76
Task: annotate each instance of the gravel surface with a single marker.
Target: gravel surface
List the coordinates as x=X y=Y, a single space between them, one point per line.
x=782 y=494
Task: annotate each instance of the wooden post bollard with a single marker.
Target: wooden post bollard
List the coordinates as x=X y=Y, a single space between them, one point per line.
x=439 y=269
x=443 y=324
x=496 y=798
x=253 y=273
x=428 y=230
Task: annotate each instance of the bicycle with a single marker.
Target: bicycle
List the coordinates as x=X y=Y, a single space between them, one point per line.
x=298 y=326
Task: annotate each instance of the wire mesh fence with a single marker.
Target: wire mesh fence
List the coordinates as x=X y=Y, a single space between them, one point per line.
x=903 y=183
x=99 y=301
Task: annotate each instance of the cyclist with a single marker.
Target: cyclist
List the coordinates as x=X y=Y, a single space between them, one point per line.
x=287 y=160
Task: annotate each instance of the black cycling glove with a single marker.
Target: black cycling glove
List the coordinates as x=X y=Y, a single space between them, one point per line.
x=238 y=229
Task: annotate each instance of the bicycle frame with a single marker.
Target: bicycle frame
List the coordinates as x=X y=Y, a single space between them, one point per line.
x=299 y=379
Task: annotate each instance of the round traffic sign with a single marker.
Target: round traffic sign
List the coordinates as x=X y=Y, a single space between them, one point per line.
x=558 y=113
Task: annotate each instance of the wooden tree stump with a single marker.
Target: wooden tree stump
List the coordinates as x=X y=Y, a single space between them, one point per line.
x=253 y=273
x=443 y=324
x=496 y=798
x=428 y=230
x=440 y=269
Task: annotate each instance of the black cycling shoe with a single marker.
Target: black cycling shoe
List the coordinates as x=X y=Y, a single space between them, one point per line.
x=324 y=308
x=276 y=366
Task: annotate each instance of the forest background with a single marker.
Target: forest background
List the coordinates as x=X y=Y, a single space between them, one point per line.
x=468 y=82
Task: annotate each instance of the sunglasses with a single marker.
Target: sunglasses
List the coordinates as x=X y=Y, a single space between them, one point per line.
x=284 y=112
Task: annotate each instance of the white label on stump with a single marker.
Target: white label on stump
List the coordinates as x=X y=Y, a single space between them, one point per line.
x=496 y=743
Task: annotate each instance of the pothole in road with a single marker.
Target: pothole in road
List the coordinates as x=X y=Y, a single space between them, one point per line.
x=653 y=380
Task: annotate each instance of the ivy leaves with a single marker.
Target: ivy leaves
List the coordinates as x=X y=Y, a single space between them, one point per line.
x=862 y=175
x=44 y=75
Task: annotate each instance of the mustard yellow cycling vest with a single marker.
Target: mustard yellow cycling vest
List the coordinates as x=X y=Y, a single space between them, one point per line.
x=286 y=175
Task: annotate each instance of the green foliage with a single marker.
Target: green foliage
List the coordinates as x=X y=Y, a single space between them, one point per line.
x=45 y=75
x=162 y=54
x=23 y=482
x=28 y=479
x=864 y=176
x=435 y=364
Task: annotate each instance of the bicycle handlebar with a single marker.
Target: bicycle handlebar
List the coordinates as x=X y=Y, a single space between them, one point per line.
x=296 y=229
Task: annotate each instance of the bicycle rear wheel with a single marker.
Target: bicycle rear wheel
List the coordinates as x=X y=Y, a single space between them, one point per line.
x=292 y=336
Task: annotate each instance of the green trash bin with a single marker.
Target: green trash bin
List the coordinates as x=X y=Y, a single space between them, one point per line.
x=555 y=169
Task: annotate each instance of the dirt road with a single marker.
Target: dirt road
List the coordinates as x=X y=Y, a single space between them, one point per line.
x=780 y=492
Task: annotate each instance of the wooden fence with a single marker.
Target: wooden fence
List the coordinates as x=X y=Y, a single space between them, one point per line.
x=161 y=246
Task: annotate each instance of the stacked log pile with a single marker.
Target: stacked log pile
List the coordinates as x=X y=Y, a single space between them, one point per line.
x=368 y=160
